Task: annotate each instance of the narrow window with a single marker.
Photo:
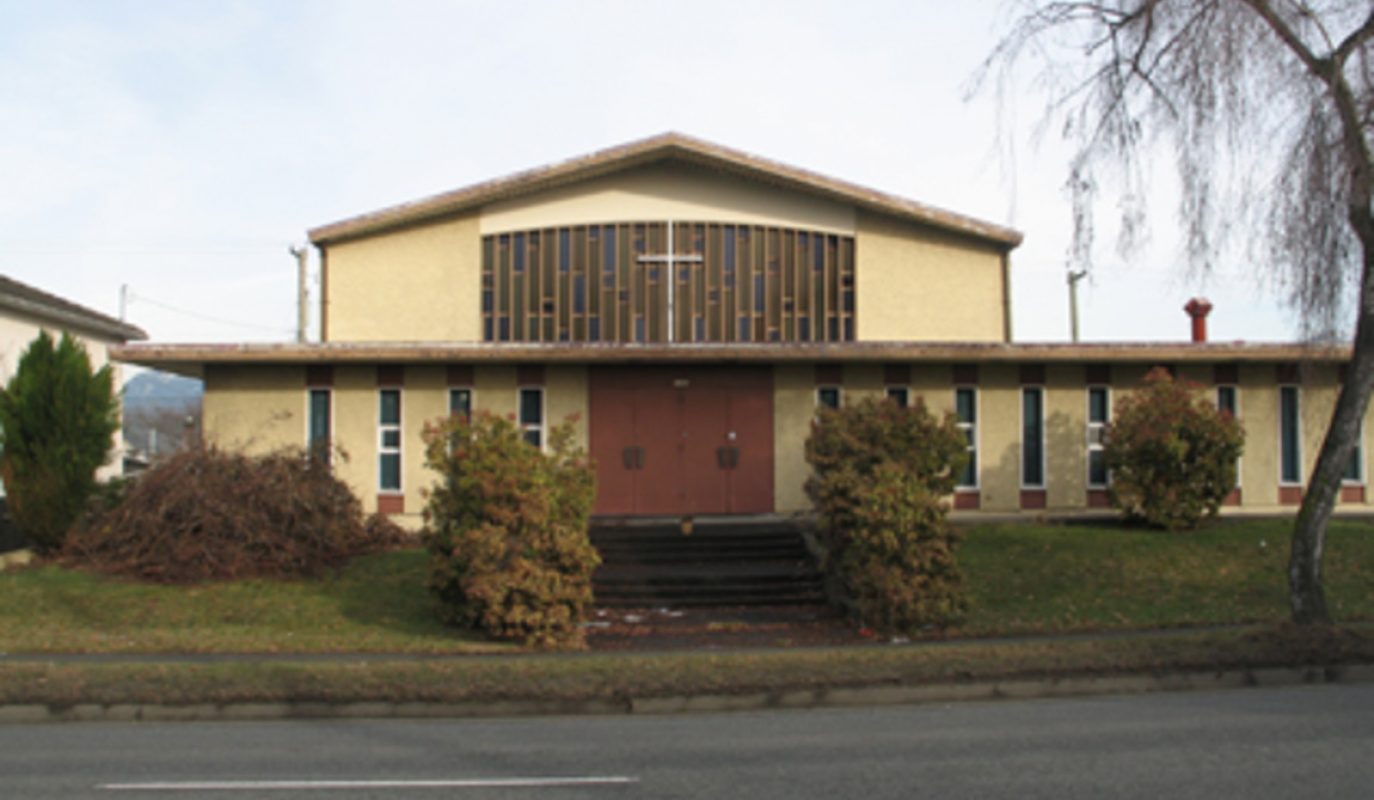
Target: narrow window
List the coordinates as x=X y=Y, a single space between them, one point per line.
x=1099 y=412
x=321 y=428
x=389 y=440
x=1354 y=471
x=1033 y=437
x=828 y=396
x=966 y=409
x=1290 y=446
x=901 y=395
x=1226 y=400
x=532 y=415
x=1228 y=403
x=460 y=403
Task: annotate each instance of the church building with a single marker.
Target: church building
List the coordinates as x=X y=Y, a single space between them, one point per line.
x=692 y=306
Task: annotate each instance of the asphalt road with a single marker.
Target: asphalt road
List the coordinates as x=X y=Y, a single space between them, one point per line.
x=1254 y=743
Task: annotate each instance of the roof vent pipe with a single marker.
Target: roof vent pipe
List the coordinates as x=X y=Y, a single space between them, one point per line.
x=1198 y=308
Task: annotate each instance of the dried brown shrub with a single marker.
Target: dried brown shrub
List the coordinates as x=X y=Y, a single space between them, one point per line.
x=207 y=514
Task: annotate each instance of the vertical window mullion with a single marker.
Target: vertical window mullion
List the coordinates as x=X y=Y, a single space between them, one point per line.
x=1099 y=414
x=966 y=409
x=389 y=440
x=531 y=410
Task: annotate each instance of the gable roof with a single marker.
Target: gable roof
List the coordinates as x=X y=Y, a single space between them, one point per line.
x=24 y=299
x=664 y=147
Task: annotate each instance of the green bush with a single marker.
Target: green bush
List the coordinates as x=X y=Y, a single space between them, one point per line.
x=507 y=531
x=57 y=420
x=1171 y=454
x=206 y=514
x=879 y=475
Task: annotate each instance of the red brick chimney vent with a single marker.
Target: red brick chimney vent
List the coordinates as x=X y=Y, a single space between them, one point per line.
x=1198 y=308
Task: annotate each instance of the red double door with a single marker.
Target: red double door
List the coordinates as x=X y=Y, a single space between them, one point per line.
x=676 y=441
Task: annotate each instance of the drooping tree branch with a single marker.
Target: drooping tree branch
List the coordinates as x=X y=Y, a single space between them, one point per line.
x=1272 y=83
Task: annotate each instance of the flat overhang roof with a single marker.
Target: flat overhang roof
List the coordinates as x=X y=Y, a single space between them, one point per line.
x=190 y=359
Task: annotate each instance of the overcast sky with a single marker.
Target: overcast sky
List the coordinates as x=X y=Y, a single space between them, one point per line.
x=180 y=147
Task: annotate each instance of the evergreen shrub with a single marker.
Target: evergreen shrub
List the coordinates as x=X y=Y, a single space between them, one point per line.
x=1171 y=454
x=507 y=530
x=57 y=423
x=879 y=473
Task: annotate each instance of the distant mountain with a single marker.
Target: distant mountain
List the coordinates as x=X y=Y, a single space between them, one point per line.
x=151 y=390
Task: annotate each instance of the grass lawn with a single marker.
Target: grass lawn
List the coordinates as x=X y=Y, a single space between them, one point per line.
x=1073 y=577
x=378 y=604
x=1022 y=579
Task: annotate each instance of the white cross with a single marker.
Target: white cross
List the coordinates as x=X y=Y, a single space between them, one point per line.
x=672 y=259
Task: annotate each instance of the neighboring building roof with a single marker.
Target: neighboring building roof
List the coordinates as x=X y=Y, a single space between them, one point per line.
x=188 y=359
x=24 y=299
x=665 y=147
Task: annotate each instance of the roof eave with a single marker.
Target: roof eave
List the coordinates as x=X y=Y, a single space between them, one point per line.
x=181 y=358
x=113 y=330
x=664 y=147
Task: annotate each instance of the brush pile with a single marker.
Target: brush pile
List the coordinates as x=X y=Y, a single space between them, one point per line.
x=207 y=514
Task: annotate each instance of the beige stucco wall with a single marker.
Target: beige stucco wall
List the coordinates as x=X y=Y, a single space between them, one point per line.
x=999 y=438
x=669 y=192
x=794 y=406
x=254 y=409
x=565 y=398
x=262 y=408
x=913 y=283
x=420 y=283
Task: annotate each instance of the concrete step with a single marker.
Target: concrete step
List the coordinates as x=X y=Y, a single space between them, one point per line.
x=715 y=565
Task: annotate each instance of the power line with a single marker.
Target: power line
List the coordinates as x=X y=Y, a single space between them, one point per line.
x=205 y=317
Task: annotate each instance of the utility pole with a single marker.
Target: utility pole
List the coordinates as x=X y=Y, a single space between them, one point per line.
x=302 y=293
x=1074 y=278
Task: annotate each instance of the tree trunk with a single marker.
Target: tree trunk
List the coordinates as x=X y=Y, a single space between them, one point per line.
x=1307 y=597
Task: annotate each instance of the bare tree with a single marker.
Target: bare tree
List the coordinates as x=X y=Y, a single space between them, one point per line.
x=1268 y=107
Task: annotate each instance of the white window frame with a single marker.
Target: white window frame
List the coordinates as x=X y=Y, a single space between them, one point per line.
x=1297 y=416
x=1021 y=414
x=1359 y=460
x=1095 y=434
x=973 y=427
x=399 y=449
x=541 y=427
x=1235 y=390
x=309 y=410
x=839 y=395
x=472 y=399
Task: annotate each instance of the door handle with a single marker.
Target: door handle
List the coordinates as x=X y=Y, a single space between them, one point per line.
x=632 y=457
x=727 y=457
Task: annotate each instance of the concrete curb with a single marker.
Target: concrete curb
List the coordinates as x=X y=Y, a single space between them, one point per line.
x=1023 y=689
